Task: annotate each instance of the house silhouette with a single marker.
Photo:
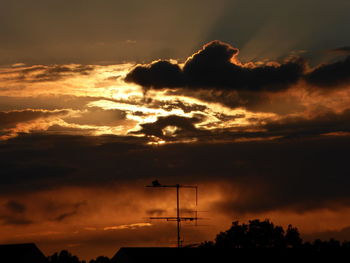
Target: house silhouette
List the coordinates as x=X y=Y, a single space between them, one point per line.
x=21 y=253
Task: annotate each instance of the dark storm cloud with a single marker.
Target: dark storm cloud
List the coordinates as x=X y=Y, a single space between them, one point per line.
x=159 y=74
x=298 y=174
x=330 y=75
x=213 y=67
x=14 y=214
x=73 y=211
x=15 y=207
x=50 y=161
x=253 y=101
x=212 y=74
x=65 y=215
x=327 y=122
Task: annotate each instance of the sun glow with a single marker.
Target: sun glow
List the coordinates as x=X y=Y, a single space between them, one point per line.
x=102 y=87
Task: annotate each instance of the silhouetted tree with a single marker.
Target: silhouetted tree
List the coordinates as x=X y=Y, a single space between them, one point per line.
x=235 y=237
x=63 y=257
x=346 y=245
x=264 y=234
x=100 y=259
x=256 y=234
x=321 y=245
x=292 y=237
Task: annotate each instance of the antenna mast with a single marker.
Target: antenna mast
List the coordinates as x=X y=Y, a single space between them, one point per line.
x=178 y=217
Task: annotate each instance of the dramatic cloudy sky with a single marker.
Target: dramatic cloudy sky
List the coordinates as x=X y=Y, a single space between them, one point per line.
x=249 y=100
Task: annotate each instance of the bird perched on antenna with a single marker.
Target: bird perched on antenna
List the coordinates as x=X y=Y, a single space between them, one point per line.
x=155 y=183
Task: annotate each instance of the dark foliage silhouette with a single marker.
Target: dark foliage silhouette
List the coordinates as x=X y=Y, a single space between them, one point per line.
x=63 y=257
x=66 y=257
x=257 y=234
x=292 y=237
x=264 y=234
x=100 y=259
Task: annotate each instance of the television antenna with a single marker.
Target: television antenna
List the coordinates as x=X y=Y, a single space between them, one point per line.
x=178 y=218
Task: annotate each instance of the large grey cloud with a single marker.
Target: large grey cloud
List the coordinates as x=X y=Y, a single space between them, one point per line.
x=213 y=68
x=330 y=75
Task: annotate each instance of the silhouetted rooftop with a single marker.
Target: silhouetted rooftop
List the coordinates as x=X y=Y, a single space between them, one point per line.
x=21 y=253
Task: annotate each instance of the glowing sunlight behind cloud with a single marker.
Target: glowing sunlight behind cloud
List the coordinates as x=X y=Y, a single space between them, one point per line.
x=103 y=87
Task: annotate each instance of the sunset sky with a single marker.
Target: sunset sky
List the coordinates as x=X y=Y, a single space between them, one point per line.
x=249 y=100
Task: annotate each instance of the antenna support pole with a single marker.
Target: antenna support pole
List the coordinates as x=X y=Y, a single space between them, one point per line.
x=178 y=215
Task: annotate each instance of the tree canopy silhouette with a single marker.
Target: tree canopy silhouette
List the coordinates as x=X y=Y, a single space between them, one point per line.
x=63 y=257
x=66 y=257
x=257 y=234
